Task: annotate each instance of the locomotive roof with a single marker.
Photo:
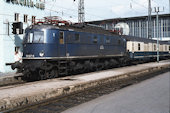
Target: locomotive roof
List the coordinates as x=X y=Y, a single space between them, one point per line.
x=85 y=28
x=94 y=29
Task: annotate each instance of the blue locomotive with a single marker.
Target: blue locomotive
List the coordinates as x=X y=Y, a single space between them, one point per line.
x=52 y=50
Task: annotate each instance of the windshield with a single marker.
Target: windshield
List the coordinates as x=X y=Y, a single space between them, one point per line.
x=35 y=37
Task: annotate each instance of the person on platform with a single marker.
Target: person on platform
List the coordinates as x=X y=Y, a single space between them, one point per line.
x=18 y=57
x=18 y=60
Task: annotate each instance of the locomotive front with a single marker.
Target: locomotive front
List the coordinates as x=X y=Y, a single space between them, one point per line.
x=37 y=50
x=33 y=49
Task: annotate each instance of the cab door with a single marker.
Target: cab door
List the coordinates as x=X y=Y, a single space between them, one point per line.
x=62 y=45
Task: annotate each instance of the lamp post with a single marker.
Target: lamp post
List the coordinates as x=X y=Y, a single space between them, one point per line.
x=157 y=11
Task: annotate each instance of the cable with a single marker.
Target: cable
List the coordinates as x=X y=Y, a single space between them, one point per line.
x=76 y=11
x=139 y=4
x=155 y=2
x=73 y=11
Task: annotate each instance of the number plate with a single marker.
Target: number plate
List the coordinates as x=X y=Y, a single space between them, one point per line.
x=29 y=56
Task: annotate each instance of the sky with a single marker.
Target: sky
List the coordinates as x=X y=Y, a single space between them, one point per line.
x=103 y=9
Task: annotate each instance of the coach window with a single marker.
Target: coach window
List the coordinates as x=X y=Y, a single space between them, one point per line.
x=139 y=46
x=61 y=37
x=77 y=37
x=132 y=46
x=95 y=39
x=154 y=47
x=165 y=48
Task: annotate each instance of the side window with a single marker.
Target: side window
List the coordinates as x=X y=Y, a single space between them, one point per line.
x=61 y=37
x=77 y=37
x=119 y=42
x=89 y=38
x=53 y=35
x=107 y=40
x=169 y=48
x=101 y=39
x=95 y=39
x=139 y=46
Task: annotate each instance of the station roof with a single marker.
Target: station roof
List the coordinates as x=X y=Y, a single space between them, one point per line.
x=127 y=19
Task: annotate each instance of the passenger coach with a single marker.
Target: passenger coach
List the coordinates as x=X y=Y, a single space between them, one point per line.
x=146 y=49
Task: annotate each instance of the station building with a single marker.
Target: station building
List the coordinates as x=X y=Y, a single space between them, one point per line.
x=138 y=26
x=11 y=11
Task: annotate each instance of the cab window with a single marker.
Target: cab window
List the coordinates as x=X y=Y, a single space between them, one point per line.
x=30 y=38
x=38 y=37
x=61 y=37
x=35 y=37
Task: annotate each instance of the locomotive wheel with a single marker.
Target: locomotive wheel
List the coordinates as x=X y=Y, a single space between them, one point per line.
x=52 y=74
x=106 y=64
x=46 y=66
x=42 y=75
x=27 y=75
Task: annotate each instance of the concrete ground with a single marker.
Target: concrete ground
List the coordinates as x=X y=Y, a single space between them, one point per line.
x=7 y=74
x=150 y=96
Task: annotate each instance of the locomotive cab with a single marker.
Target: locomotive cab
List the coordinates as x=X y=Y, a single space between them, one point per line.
x=40 y=47
x=32 y=42
x=44 y=44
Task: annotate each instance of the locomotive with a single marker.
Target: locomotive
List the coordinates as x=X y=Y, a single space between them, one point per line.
x=60 y=49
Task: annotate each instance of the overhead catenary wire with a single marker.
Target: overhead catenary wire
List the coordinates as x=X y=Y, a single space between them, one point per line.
x=139 y=4
x=74 y=11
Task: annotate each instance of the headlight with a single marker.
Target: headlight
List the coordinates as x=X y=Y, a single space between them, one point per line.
x=41 y=54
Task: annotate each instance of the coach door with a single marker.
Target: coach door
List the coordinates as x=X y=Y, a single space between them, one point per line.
x=61 y=47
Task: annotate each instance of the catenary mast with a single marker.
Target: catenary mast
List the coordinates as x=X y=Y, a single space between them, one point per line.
x=81 y=17
x=81 y=12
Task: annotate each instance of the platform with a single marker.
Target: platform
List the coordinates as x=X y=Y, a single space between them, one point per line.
x=10 y=78
x=42 y=90
x=149 y=96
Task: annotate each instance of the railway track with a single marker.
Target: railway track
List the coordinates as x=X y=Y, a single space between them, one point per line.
x=59 y=104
